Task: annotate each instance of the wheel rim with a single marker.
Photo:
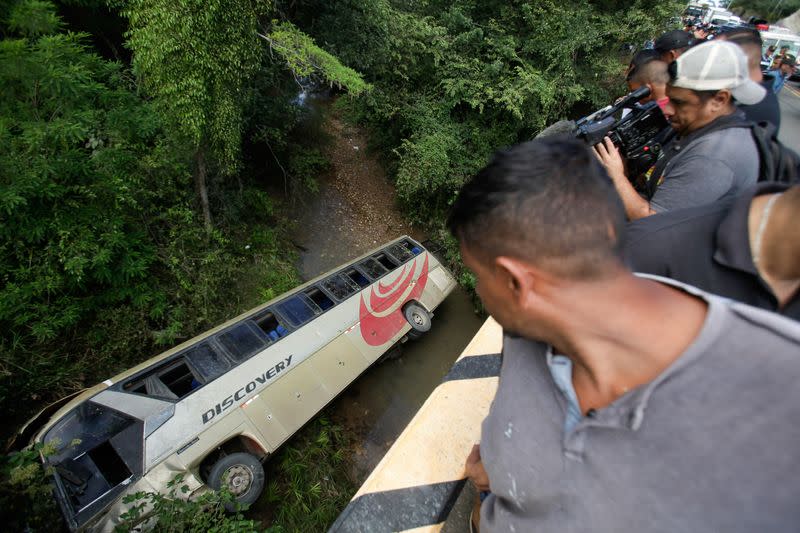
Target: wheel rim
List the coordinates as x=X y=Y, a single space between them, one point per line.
x=239 y=478
x=417 y=318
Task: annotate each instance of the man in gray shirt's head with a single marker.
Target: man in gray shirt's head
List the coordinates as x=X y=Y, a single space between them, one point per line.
x=712 y=156
x=625 y=403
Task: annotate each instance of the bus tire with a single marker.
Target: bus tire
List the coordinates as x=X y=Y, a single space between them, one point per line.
x=242 y=474
x=418 y=318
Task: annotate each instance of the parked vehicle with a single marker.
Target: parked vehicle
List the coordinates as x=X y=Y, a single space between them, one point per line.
x=216 y=406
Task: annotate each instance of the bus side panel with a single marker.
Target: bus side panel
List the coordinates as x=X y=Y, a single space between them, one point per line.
x=441 y=283
x=262 y=416
x=338 y=364
x=295 y=398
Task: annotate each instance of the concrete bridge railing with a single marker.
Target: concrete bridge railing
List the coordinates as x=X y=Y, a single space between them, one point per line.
x=419 y=480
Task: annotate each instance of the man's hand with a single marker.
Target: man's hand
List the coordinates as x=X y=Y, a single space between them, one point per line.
x=609 y=157
x=475 y=471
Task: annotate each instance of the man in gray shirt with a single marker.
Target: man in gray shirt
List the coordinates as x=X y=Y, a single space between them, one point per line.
x=709 y=159
x=625 y=403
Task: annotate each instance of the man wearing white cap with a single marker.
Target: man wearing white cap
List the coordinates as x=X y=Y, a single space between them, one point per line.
x=710 y=158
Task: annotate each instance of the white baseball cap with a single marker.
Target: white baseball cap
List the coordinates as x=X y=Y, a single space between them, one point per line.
x=716 y=65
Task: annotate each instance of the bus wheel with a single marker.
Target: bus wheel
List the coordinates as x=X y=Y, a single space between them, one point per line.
x=242 y=474
x=418 y=317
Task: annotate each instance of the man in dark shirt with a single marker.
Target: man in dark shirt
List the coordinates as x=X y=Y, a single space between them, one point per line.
x=767 y=110
x=747 y=249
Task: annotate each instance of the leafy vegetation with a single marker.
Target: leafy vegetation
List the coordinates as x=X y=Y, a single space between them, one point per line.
x=174 y=513
x=308 y=486
x=24 y=487
x=455 y=80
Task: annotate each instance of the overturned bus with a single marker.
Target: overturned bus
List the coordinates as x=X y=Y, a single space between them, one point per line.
x=215 y=407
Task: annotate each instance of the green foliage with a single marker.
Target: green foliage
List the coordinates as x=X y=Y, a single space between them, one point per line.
x=195 y=58
x=455 y=80
x=71 y=139
x=304 y=58
x=768 y=9
x=26 y=502
x=172 y=513
x=33 y=17
x=308 y=487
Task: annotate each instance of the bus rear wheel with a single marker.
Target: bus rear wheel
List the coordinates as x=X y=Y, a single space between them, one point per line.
x=419 y=319
x=242 y=474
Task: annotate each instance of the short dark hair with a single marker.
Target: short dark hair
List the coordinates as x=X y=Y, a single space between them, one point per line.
x=742 y=36
x=651 y=72
x=639 y=60
x=548 y=201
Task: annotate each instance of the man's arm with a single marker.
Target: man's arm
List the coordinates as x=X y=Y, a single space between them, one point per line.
x=636 y=207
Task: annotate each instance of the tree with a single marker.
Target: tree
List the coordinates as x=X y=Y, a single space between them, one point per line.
x=78 y=149
x=455 y=80
x=771 y=10
x=196 y=57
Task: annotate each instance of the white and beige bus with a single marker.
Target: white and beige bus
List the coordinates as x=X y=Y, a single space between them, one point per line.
x=216 y=406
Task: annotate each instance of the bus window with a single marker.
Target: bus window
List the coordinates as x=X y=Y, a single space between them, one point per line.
x=269 y=324
x=179 y=378
x=298 y=309
x=207 y=361
x=357 y=277
x=319 y=298
x=342 y=286
x=172 y=380
x=386 y=261
x=96 y=451
x=242 y=341
x=110 y=464
x=373 y=269
x=401 y=251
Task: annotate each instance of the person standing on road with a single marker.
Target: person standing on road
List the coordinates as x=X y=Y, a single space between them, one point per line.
x=624 y=403
x=767 y=57
x=651 y=73
x=785 y=69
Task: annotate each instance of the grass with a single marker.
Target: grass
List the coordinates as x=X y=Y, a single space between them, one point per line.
x=307 y=483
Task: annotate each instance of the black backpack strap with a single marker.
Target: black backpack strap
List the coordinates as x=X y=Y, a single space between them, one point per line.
x=776 y=161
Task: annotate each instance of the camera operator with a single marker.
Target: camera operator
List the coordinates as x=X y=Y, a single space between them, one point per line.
x=707 y=160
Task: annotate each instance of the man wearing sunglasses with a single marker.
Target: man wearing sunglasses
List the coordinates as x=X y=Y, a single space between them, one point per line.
x=708 y=160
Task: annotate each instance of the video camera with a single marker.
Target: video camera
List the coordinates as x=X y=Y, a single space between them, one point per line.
x=639 y=135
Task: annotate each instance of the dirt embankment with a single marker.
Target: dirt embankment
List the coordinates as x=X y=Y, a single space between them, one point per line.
x=354 y=210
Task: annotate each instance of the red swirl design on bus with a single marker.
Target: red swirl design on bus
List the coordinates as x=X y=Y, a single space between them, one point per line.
x=383 y=318
x=383 y=288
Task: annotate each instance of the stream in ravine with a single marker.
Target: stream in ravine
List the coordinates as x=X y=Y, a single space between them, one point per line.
x=353 y=212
